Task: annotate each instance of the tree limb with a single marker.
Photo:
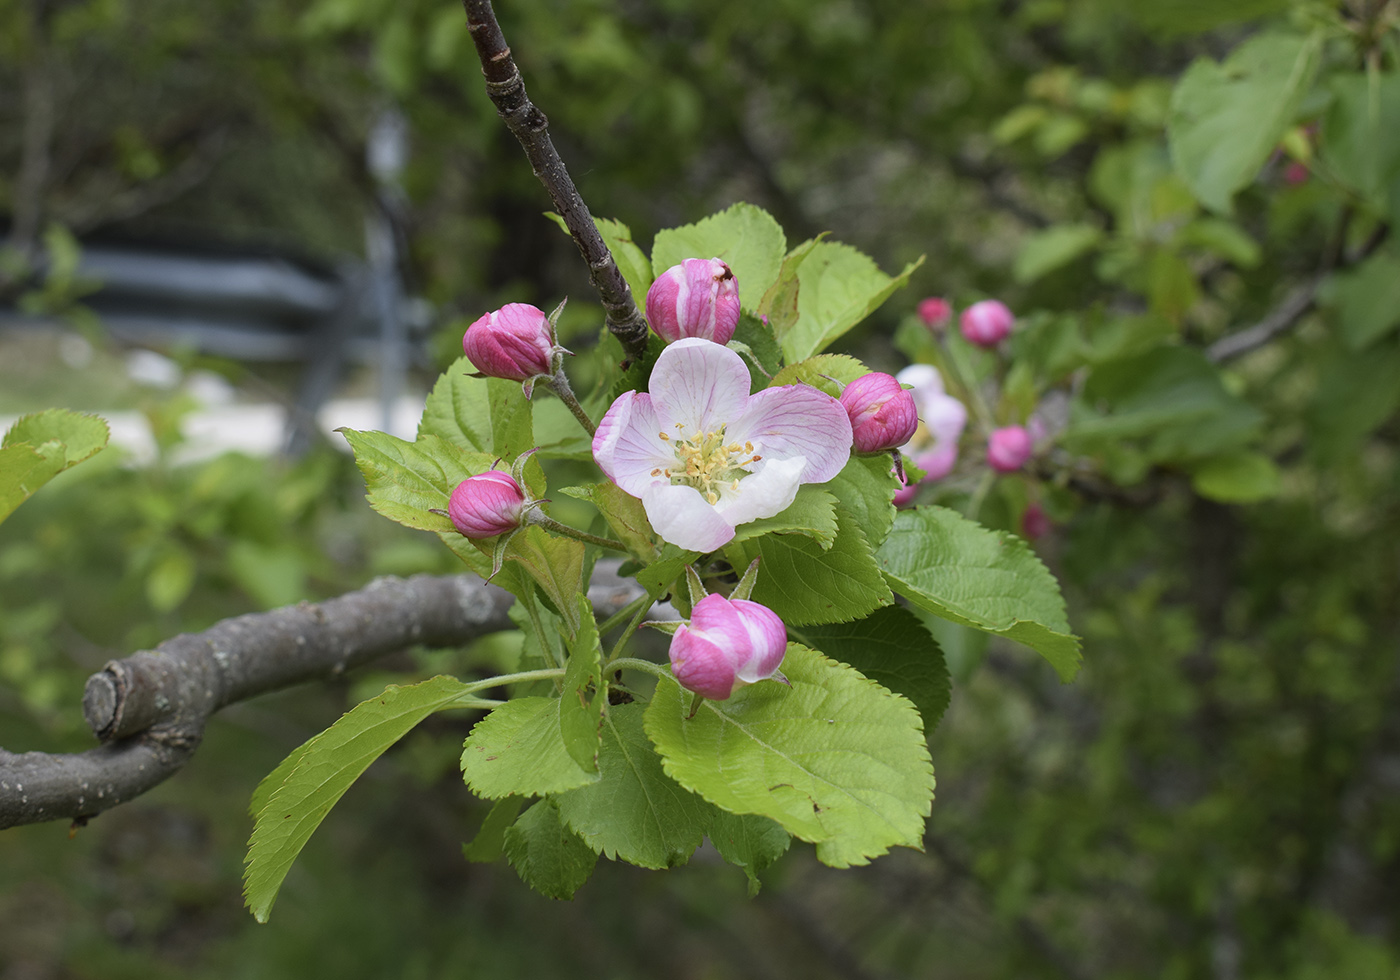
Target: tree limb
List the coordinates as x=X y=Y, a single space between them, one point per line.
x=528 y=124
x=150 y=709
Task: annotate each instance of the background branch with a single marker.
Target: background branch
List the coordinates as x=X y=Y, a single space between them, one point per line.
x=150 y=709
x=529 y=125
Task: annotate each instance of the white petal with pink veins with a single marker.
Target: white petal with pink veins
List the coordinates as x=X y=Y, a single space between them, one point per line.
x=796 y=420
x=699 y=384
x=682 y=516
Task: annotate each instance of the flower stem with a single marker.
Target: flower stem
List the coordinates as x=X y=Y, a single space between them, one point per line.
x=967 y=378
x=631 y=628
x=636 y=663
x=547 y=673
x=629 y=610
x=559 y=384
x=550 y=524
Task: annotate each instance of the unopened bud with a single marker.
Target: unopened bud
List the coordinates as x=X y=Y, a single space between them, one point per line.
x=727 y=644
x=698 y=298
x=935 y=311
x=1034 y=522
x=883 y=414
x=514 y=342
x=987 y=323
x=486 y=505
x=1008 y=449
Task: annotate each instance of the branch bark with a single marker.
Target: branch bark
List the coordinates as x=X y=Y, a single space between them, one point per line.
x=528 y=124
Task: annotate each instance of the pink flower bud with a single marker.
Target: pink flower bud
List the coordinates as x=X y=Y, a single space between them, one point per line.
x=987 y=323
x=883 y=414
x=1034 y=522
x=486 y=505
x=935 y=311
x=698 y=298
x=514 y=342
x=727 y=644
x=1008 y=449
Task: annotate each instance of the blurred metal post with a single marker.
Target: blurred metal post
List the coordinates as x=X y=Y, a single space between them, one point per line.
x=386 y=154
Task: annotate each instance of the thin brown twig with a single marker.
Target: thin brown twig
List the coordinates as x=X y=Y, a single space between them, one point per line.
x=528 y=124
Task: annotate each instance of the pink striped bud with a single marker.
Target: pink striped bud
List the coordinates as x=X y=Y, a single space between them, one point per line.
x=486 y=505
x=987 y=323
x=1008 y=449
x=698 y=298
x=935 y=311
x=883 y=414
x=727 y=644
x=514 y=342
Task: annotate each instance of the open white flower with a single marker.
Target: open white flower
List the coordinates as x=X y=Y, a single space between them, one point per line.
x=705 y=456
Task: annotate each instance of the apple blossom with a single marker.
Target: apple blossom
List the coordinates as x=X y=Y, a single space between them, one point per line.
x=515 y=342
x=882 y=413
x=987 y=323
x=705 y=456
x=1009 y=448
x=698 y=298
x=933 y=447
x=486 y=505
x=726 y=644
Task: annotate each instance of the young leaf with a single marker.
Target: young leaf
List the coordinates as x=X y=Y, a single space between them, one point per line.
x=747 y=841
x=635 y=811
x=517 y=750
x=40 y=446
x=838 y=287
x=1045 y=251
x=745 y=237
x=1366 y=300
x=581 y=711
x=865 y=487
x=406 y=481
x=812 y=513
x=546 y=854
x=624 y=514
x=324 y=768
x=490 y=841
x=459 y=409
x=991 y=580
x=779 y=304
x=1227 y=118
x=827 y=372
x=803 y=583
x=556 y=564
x=512 y=431
x=836 y=759
x=892 y=648
x=1240 y=478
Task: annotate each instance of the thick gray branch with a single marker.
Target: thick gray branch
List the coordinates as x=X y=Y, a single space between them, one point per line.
x=528 y=124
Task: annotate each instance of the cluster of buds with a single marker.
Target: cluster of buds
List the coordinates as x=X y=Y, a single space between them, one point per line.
x=698 y=298
x=985 y=324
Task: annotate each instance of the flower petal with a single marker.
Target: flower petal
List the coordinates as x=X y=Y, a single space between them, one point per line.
x=923 y=381
x=682 y=516
x=628 y=445
x=699 y=384
x=797 y=420
x=765 y=492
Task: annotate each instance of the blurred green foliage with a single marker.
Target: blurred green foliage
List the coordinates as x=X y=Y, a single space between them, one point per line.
x=1215 y=796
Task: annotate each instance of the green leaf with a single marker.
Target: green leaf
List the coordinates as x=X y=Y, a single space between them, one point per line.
x=556 y=564
x=1227 y=118
x=838 y=287
x=1241 y=478
x=557 y=431
x=324 y=768
x=518 y=750
x=804 y=583
x=779 y=304
x=40 y=446
x=747 y=841
x=1366 y=300
x=1056 y=246
x=893 y=648
x=546 y=854
x=657 y=577
x=407 y=480
x=826 y=372
x=1360 y=143
x=459 y=409
x=991 y=580
x=581 y=711
x=490 y=841
x=625 y=515
x=812 y=513
x=836 y=759
x=1357 y=391
x=759 y=338
x=1222 y=237
x=512 y=428
x=865 y=488
x=745 y=237
x=635 y=812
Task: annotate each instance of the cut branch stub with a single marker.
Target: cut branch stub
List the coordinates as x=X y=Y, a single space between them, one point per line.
x=530 y=127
